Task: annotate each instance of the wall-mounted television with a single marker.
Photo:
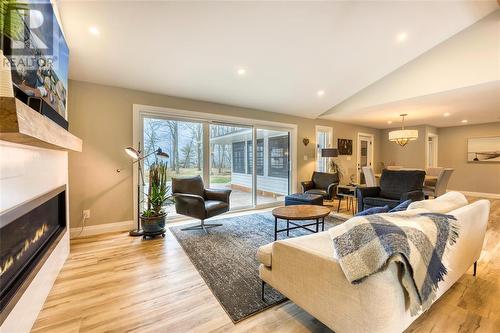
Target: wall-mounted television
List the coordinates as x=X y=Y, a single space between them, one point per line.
x=39 y=60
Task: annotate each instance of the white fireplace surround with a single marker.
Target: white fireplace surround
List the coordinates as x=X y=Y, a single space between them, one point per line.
x=27 y=172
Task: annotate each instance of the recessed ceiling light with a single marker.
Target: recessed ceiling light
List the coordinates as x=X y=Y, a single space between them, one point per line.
x=446 y=114
x=94 y=31
x=464 y=121
x=320 y=93
x=241 y=71
x=389 y=122
x=401 y=37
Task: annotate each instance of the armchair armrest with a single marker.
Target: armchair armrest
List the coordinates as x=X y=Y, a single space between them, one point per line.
x=413 y=195
x=307 y=185
x=218 y=194
x=332 y=190
x=190 y=205
x=363 y=192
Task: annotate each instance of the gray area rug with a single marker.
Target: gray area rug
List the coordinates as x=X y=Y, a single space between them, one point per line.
x=226 y=259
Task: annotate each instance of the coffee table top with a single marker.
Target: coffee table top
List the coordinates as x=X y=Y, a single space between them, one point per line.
x=301 y=212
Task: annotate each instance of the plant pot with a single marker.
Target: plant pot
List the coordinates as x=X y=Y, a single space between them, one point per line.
x=154 y=225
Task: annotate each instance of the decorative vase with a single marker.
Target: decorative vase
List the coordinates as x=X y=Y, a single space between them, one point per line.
x=154 y=225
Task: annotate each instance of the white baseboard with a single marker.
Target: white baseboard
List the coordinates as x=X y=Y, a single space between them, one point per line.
x=480 y=194
x=102 y=229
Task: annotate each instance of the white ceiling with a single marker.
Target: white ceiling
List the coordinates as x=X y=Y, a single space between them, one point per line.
x=477 y=104
x=290 y=50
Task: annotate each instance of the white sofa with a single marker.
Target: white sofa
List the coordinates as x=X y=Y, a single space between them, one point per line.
x=304 y=270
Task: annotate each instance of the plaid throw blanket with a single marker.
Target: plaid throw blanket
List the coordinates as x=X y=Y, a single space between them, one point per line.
x=416 y=239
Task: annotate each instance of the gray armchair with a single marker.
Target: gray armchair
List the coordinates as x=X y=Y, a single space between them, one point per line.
x=322 y=183
x=395 y=187
x=194 y=200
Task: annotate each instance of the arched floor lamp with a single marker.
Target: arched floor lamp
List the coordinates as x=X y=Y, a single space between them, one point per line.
x=136 y=154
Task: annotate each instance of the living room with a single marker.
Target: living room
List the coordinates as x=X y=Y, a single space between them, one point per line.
x=283 y=125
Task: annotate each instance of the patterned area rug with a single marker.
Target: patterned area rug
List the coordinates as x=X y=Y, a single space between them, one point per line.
x=226 y=259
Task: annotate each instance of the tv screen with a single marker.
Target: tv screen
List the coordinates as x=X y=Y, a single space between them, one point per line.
x=39 y=58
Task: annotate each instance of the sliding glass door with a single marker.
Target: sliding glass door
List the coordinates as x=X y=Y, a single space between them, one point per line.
x=231 y=162
x=181 y=140
x=254 y=162
x=272 y=165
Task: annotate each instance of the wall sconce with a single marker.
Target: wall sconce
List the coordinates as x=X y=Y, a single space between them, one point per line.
x=305 y=141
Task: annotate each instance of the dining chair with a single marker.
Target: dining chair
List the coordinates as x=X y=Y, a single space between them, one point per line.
x=441 y=184
x=369 y=176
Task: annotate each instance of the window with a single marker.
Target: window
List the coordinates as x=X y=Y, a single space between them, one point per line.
x=260 y=157
x=278 y=156
x=239 y=157
x=324 y=136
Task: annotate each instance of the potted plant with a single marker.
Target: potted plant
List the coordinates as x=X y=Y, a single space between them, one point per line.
x=153 y=217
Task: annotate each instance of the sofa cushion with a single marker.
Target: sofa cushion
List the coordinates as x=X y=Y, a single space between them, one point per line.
x=373 y=210
x=374 y=202
x=265 y=254
x=214 y=207
x=402 y=206
x=442 y=204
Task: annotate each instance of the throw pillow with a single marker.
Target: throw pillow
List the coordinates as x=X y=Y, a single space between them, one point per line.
x=402 y=206
x=373 y=210
x=442 y=204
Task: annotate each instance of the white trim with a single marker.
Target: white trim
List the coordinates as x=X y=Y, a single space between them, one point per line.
x=478 y=194
x=102 y=228
x=435 y=142
x=140 y=110
x=358 y=145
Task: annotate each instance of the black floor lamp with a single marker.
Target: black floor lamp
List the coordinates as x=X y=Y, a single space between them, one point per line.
x=136 y=154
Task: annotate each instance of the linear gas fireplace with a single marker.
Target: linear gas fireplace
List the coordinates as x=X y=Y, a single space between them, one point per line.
x=28 y=234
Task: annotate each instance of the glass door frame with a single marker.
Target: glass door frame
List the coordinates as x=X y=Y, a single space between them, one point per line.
x=370 y=153
x=139 y=112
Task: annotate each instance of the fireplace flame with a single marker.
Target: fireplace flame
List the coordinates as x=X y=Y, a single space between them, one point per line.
x=27 y=244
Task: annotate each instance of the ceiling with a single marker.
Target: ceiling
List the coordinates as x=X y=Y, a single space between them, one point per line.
x=477 y=104
x=289 y=50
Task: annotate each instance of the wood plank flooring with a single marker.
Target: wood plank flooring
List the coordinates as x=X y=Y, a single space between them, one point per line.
x=116 y=283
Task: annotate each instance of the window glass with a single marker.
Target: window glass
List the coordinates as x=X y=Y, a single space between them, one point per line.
x=278 y=156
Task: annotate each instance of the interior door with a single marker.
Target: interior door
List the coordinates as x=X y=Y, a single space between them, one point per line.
x=365 y=155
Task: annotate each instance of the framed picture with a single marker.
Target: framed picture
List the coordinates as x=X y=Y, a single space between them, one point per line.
x=483 y=149
x=344 y=146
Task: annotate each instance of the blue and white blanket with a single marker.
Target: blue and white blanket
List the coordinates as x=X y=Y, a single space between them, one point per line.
x=416 y=239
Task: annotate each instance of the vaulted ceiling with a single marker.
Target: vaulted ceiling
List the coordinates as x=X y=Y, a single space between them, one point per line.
x=298 y=58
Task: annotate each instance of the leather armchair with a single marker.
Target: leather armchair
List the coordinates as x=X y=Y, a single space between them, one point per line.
x=395 y=187
x=322 y=183
x=193 y=200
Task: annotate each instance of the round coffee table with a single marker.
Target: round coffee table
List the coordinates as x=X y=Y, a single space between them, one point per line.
x=299 y=213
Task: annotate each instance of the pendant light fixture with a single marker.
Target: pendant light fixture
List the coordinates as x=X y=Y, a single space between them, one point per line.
x=402 y=136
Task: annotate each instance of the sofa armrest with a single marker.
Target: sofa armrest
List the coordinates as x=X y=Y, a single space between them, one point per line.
x=307 y=185
x=218 y=194
x=413 y=196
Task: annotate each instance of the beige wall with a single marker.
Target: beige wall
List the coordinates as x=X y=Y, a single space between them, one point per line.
x=452 y=153
x=410 y=156
x=468 y=176
x=102 y=117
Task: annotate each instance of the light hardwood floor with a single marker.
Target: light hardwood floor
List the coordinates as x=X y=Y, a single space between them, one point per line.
x=116 y=283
